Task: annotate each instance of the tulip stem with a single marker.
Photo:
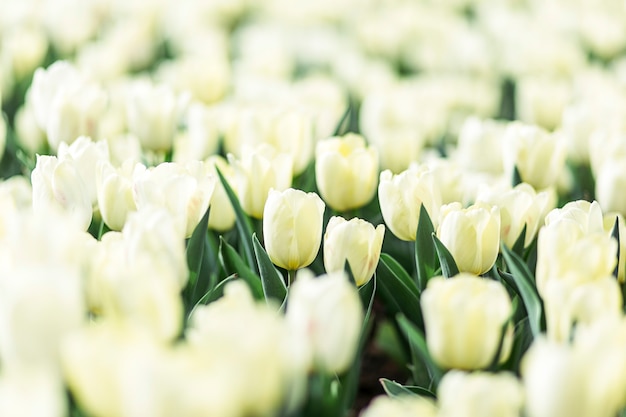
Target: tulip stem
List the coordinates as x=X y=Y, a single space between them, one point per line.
x=291 y=277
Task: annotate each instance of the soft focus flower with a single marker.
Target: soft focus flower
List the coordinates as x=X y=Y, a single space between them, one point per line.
x=259 y=170
x=115 y=191
x=292 y=227
x=464 y=318
x=480 y=145
x=401 y=197
x=346 y=172
x=58 y=184
x=520 y=207
x=402 y=406
x=222 y=216
x=326 y=312
x=610 y=181
x=462 y=394
x=184 y=189
x=538 y=155
x=355 y=241
x=472 y=235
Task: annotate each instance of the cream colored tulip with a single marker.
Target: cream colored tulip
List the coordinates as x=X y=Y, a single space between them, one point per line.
x=292 y=227
x=462 y=394
x=346 y=171
x=401 y=406
x=472 y=235
x=115 y=192
x=86 y=155
x=520 y=206
x=464 y=317
x=401 y=197
x=326 y=311
x=355 y=241
x=222 y=216
x=538 y=155
x=58 y=185
x=260 y=169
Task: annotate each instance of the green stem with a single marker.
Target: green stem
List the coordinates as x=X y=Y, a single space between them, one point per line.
x=291 y=277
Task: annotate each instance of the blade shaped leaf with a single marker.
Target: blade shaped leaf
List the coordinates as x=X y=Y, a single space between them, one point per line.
x=425 y=253
x=417 y=342
x=244 y=229
x=446 y=260
x=271 y=280
x=233 y=264
x=398 y=288
x=524 y=282
x=393 y=389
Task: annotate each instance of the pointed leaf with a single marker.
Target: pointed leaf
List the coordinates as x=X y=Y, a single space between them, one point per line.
x=416 y=340
x=244 y=229
x=615 y=235
x=518 y=246
x=233 y=264
x=425 y=253
x=398 y=290
x=194 y=253
x=273 y=283
x=213 y=294
x=348 y=271
x=394 y=389
x=523 y=280
x=446 y=260
x=517 y=177
x=344 y=122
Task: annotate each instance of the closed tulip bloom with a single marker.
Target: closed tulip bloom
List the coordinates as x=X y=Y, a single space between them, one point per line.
x=462 y=394
x=400 y=406
x=292 y=227
x=538 y=155
x=472 y=235
x=610 y=181
x=355 y=241
x=520 y=206
x=346 y=171
x=401 y=197
x=115 y=191
x=57 y=184
x=464 y=317
x=260 y=169
x=326 y=311
x=222 y=215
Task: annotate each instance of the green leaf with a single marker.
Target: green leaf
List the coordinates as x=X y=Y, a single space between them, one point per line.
x=425 y=254
x=522 y=279
x=366 y=292
x=446 y=260
x=398 y=289
x=522 y=339
x=213 y=294
x=344 y=123
x=272 y=282
x=244 y=229
x=393 y=389
x=417 y=342
x=348 y=271
x=517 y=177
x=195 y=253
x=233 y=264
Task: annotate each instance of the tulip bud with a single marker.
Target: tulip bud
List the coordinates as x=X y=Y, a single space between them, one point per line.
x=58 y=184
x=472 y=235
x=538 y=155
x=355 y=241
x=401 y=197
x=464 y=318
x=326 y=311
x=115 y=191
x=222 y=216
x=185 y=190
x=152 y=114
x=346 y=172
x=86 y=154
x=610 y=181
x=292 y=227
x=462 y=394
x=259 y=170
x=519 y=207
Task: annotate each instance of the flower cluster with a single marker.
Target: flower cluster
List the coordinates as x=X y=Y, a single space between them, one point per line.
x=227 y=207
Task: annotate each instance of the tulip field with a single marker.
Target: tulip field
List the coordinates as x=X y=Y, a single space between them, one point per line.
x=331 y=208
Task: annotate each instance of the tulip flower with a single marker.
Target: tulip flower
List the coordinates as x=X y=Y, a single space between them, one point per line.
x=292 y=227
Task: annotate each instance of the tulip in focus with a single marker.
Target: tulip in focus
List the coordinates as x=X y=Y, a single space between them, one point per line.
x=355 y=241
x=292 y=227
x=464 y=318
x=326 y=311
x=472 y=235
x=346 y=172
x=401 y=197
